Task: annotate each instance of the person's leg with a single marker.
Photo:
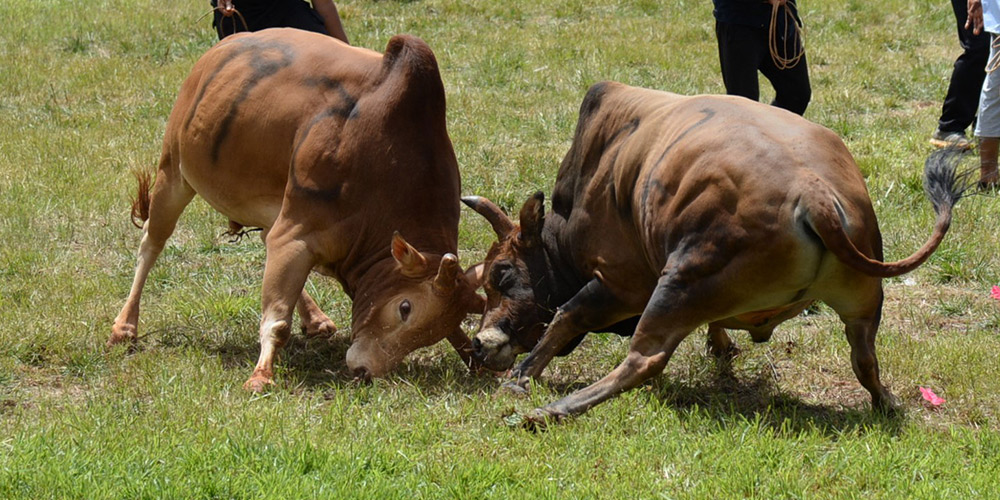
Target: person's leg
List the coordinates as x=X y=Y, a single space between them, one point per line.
x=739 y=54
x=962 y=99
x=988 y=147
x=791 y=85
x=988 y=125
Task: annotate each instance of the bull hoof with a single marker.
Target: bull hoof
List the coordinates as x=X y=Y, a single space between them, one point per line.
x=539 y=419
x=888 y=405
x=725 y=354
x=257 y=383
x=121 y=333
x=319 y=329
x=517 y=387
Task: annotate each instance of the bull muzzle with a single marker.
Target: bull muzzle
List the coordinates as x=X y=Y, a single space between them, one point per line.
x=492 y=347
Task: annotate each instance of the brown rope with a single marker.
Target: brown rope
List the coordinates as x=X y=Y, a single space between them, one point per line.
x=781 y=59
x=994 y=61
x=226 y=10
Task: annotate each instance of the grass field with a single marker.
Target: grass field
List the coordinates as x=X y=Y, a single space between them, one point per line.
x=86 y=90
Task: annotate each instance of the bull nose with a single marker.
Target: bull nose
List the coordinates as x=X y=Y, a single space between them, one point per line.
x=477 y=346
x=361 y=374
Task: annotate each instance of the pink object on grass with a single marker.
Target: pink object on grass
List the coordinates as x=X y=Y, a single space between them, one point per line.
x=931 y=398
x=995 y=292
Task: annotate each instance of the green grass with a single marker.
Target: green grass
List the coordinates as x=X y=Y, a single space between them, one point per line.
x=86 y=93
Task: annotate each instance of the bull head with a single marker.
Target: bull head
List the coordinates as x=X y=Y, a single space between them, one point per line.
x=414 y=300
x=515 y=277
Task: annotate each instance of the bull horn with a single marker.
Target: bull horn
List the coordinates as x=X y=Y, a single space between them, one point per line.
x=502 y=224
x=411 y=261
x=447 y=273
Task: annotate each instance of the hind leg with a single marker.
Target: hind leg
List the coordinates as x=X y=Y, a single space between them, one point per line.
x=861 y=327
x=170 y=195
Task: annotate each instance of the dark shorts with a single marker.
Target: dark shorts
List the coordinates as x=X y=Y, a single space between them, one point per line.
x=258 y=15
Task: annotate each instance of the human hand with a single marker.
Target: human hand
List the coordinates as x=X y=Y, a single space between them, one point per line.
x=226 y=8
x=975 y=20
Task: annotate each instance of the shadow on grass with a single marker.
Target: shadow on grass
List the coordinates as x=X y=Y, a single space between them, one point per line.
x=724 y=398
x=318 y=364
x=729 y=400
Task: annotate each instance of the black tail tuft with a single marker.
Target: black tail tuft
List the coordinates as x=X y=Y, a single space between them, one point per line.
x=944 y=183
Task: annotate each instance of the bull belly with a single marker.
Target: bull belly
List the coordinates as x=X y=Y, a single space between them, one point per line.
x=760 y=324
x=246 y=199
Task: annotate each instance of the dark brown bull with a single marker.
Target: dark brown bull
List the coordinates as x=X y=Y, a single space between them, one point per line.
x=671 y=212
x=337 y=153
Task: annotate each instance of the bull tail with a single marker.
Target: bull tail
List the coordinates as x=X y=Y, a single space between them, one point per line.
x=140 y=202
x=944 y=186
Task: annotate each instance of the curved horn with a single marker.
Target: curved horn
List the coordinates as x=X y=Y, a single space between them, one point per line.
x=412 y=262
x=502 y=224
x=447 y=275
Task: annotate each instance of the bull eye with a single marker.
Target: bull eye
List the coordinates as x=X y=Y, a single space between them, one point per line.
x=501 y=277
x=404 y=310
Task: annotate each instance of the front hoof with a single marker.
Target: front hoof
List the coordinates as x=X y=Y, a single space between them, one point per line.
x=257 y=383
x=517 y=387
x=539 y=419
x=319 y=329
x=120 y=334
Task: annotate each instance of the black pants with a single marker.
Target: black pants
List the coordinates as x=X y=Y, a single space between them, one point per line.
x=257 y=15
x=962 y=101
x=743 y=50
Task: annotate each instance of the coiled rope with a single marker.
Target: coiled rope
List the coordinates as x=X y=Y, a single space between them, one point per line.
x=781 y=58
x=994 y=61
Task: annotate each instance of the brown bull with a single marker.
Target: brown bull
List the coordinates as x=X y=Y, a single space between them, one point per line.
x=671 y=212
x=335 y=152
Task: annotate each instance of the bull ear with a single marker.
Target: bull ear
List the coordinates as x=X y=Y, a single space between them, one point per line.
x=448 y=272
x=475 y=273
x=412 y=263
x=532 y=217
x=502 y=225
x=475 y=303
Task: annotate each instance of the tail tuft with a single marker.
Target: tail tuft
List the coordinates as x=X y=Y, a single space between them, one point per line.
x=944 y=183
x=140 y=203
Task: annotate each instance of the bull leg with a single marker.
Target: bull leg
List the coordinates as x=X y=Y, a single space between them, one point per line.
x=720 y=345
x=662 y=327
x=861 y=312
x=171 y=194
x=665 y=322
x=861 y=337
x=289 y=262
x=594 y=306
x=315 y=323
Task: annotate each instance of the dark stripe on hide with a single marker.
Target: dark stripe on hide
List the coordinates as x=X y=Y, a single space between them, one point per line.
x=262 y=66
x=649 y=183
x=242 y=47
x=347 y=110
x=625 y=132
